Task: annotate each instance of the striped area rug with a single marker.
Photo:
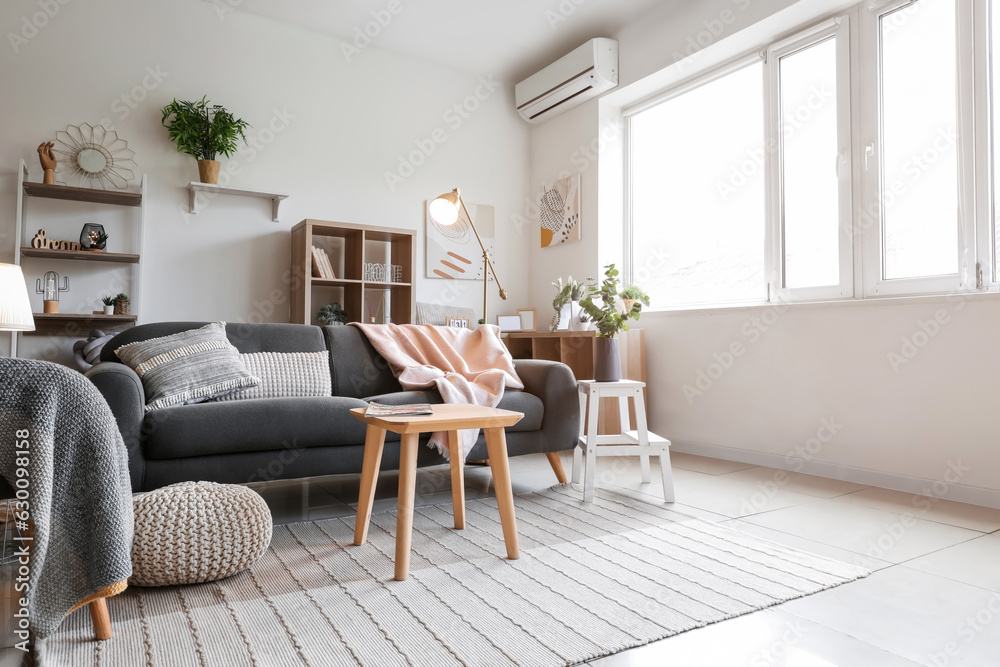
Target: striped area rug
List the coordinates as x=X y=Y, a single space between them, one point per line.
x=593 y=579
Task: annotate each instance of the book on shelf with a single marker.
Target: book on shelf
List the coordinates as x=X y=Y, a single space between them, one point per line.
x=321 y=266
x=381 y=410
x=329 y=266
x=317 y=264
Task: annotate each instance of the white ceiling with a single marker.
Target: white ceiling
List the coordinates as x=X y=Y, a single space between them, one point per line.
x=509 y=39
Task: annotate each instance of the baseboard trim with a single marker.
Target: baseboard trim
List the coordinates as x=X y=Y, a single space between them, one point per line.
x=961 y=493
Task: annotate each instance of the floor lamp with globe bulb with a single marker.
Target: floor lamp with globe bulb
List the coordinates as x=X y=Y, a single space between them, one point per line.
x=445 y=210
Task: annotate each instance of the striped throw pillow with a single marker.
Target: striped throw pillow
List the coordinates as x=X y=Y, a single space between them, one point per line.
x=286 y=374
x=187 y=367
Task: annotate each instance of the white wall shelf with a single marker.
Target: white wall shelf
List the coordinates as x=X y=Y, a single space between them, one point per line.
x=195 y=187
x=68 y=324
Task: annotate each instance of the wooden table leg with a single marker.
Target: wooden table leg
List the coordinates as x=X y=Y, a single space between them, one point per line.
x=100 y=618
x=496 y=445
x=457 y=458
x=374 y=442
x=404 y=506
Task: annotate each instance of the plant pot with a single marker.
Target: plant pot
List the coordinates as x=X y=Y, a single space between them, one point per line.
x=208 y=171
x=607 y=363
x=123 y=307
x=109 y=310
x=628 y=305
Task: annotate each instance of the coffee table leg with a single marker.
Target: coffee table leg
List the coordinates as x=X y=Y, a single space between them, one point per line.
x=496 y=445
x=457 y=478
x=404 y=511
x=374 y=441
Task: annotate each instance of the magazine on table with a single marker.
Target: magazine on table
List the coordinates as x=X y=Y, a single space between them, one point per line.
x=381 y=410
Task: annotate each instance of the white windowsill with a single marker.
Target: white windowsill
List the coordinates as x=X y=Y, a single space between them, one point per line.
x=891 y=301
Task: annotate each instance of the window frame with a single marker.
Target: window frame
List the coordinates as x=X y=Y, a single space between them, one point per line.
x=837 y=29
x=871 y=168
x=988 y=271
x=857 y=31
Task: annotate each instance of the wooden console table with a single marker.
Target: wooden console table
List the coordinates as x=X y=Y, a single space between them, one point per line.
x=576 y=350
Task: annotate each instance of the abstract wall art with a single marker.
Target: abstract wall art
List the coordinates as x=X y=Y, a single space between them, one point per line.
x=560 y=212
x=452 y=251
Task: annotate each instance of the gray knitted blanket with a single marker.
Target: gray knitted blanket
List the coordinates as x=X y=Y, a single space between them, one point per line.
x=61 y=450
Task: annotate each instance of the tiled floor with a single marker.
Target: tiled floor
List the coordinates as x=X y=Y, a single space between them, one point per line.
x=933 y=598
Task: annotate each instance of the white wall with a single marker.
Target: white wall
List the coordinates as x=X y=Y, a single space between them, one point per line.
x=340 y=125
x=800 y=365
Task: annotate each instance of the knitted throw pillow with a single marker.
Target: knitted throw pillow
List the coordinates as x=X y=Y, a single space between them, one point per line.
x=286 y=374
x=187 y=367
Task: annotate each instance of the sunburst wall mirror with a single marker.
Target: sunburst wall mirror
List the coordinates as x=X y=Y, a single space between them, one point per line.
x=93 y=156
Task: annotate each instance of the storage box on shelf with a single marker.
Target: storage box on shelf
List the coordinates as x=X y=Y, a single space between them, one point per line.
x=356 y=245
x=77 y=324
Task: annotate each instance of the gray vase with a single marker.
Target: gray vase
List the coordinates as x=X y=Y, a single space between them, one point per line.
x=607 y=363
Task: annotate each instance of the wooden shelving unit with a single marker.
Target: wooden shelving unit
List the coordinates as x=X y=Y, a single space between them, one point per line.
x=81 y=255
x=576 y=350
x=353 y=242
x=68 y=193
x=78 y=324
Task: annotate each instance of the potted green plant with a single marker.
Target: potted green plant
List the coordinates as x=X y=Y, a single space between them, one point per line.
x=331 y=313
x=567 y=294
x=109 y=305
x=633 y=295
x=123 y=306
x=203 y=130
x=606 y=308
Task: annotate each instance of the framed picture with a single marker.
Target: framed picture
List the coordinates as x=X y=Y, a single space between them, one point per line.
x=527 y=316
x=460 y=322
x=509 y=322
x=453 y=251
x=560 y=212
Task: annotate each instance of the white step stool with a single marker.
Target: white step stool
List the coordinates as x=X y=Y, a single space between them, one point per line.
x=627 y=443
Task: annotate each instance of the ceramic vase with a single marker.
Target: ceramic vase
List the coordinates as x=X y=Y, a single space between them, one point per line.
x=607 y=363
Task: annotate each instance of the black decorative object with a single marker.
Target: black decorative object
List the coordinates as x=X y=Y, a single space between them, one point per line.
x=91 y=235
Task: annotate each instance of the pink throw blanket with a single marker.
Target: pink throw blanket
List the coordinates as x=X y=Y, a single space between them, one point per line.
x=465 y=366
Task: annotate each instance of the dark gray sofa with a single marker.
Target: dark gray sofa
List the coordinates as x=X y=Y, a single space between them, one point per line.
x=285 y=438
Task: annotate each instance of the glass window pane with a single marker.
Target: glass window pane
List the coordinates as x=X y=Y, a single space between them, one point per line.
x=919 y=141
x=810 y=186
x=697 y=174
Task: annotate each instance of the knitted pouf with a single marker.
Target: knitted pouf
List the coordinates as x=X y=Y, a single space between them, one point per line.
x=193 y=532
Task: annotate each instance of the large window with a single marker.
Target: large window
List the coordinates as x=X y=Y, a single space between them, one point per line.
x=697 y=170
x=844 y=162
x=919 y=122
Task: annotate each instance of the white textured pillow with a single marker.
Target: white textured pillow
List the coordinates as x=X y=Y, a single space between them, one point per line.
x=286 y=374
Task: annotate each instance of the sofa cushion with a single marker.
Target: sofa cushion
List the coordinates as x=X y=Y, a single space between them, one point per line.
x=358 y=370
x=267 y=424
x=187 y=367
x=285 y=374
x=517 y=401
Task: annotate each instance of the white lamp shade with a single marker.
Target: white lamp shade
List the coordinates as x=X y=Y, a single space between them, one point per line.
x=444 y=209
x=15 y=310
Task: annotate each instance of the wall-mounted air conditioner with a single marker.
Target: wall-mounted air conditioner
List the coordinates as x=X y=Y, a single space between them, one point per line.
x=575 y=78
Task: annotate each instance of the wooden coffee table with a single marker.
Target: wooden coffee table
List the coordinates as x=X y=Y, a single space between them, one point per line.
x=452 y=418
